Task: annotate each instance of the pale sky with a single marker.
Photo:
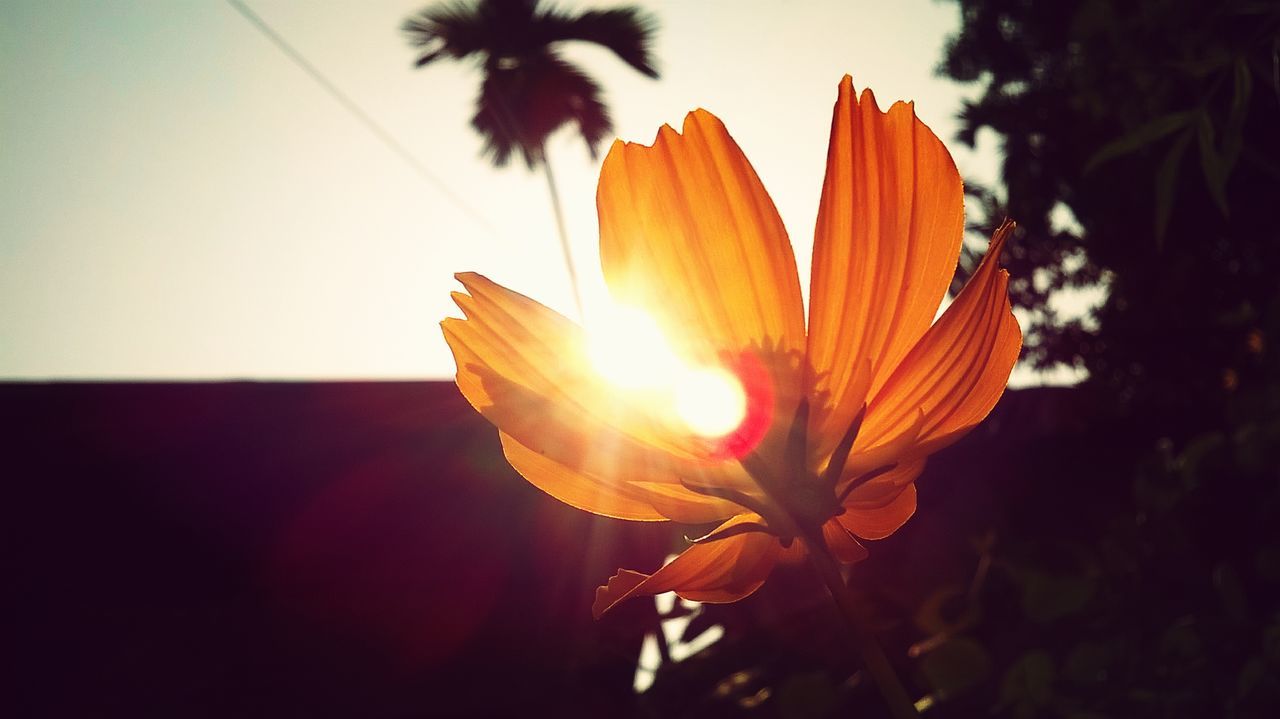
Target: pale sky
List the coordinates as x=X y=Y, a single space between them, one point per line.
x=178 y=200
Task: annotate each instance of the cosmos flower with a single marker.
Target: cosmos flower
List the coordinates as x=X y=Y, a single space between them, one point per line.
x=705 y=398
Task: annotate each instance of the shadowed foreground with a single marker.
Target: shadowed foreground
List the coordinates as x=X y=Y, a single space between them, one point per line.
x=341 y=549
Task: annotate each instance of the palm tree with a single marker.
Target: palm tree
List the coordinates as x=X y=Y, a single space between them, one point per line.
x=529 y=91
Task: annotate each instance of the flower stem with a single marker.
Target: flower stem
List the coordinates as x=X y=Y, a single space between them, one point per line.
x=895 y=695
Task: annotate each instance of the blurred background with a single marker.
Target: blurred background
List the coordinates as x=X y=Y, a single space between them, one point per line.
x=242 y=483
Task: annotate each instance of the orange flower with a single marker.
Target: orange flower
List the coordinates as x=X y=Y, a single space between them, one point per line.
x=833 y=425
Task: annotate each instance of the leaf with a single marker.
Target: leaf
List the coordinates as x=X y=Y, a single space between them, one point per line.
x=955 y=666
x=1048 y=596
x=627 y=31
x=807 y=696
x=938 y=613
x=1160 y=127
x=1242 y=90
x=1212 y=164
x=1233 y=136
x=1197 y=458
x=1089 y=663
x=1028 y=684
x=429 y=58
x=1166 y=182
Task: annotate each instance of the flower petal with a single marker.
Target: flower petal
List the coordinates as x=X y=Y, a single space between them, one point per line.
x=881 y=489
x=892 y=449
x=688 y=233
x=882 y=521
x=577 y=488
x=682 y=505
x=724 y=570
x=842 y=544
x=958 y=370
x=889 y=229
x=519 y=364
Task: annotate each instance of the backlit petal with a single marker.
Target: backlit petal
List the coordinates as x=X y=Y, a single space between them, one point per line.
x=688 y=233
x=682 y=505
x=724 y=570
x=882 y=488
x=578 y=488
x=890 y=449
x=880 y=522
x=842 y=544
x=958 y=370
x=889 y=228
x=520 y=364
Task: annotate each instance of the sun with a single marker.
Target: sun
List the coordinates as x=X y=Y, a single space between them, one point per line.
x=710 y=401
x=627 y=348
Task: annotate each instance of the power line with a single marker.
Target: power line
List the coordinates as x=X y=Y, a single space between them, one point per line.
x=343 y=99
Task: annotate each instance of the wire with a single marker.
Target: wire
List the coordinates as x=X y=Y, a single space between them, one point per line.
x=343 y=99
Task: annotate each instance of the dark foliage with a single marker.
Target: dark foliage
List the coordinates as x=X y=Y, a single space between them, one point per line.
x=529 y=91
x=1135 y=573
x=1154 y=122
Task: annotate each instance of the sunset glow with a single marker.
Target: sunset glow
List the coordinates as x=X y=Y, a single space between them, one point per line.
x=627 y=348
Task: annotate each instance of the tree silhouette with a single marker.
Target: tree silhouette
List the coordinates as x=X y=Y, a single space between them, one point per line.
x=529 y=91
x=1155 y=122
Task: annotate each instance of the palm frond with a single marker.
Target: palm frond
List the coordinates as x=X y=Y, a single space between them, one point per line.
x=528 y=91
x=453 y=29
x=520 y=107
x=627 y=31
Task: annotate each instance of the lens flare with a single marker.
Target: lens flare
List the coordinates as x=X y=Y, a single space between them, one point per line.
x=626 y=347
x=710 y=401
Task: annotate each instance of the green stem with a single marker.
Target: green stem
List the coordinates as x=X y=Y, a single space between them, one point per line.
x=895 y=695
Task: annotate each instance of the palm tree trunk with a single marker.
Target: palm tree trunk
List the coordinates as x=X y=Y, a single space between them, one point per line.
x=564 y=236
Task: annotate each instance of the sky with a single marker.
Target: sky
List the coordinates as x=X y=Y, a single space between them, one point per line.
x=179 y=200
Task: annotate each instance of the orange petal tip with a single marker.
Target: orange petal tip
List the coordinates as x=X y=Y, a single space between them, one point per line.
x=617 y=589
x=1000 y=238
x=868 y=96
